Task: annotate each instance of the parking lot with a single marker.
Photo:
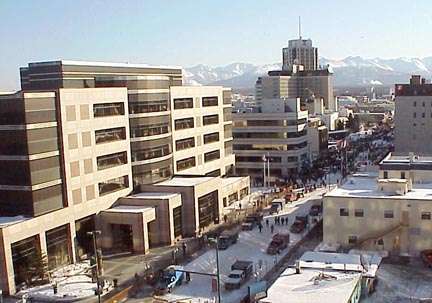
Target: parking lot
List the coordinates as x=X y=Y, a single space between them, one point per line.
x=251 y=246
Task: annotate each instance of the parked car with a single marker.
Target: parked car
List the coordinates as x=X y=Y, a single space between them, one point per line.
x=279 y=242
x=227 y=238
x=171 y=277
x=240 y=273
x=299 y=224
x=251 y=221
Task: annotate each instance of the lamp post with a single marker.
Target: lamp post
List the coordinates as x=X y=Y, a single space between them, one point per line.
x=217 y=266
x=94 y=234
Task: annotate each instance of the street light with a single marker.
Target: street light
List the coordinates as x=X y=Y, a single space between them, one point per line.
x=94 y=234
x=217 y=266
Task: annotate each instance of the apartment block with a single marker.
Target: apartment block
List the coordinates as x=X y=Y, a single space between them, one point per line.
x=390 y=211
x=279 y=132
x=413 y=117
x=91 y=145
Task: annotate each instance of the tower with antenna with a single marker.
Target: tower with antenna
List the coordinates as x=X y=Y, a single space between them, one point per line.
x=300 y=52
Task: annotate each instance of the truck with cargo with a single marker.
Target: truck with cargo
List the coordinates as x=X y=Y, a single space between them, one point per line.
x=240 y=273
x=278 y=243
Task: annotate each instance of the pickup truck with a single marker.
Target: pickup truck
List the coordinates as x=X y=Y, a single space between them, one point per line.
x=251 y=221
x=279 y=242
x=299 y=224
x=240 y=273
x=227 y=238
x=171 y=277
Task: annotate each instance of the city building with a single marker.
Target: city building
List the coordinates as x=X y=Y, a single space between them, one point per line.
x=300 y=52
x=317 y=134
x=279 y=132
x=85 y=145
x=413 y=117
x=390 y=211
x=324 y=277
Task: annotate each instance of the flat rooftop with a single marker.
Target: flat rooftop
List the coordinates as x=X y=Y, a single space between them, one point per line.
x=337 y=261
x=129 y=209
x=184 y=181
x=333 y=286
x=99 y=63
x=149 y=196
x=367 y=187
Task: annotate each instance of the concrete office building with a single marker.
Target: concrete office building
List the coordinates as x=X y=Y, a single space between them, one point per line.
x=89 y=135
x=413 y=117
x=300 y=52
x=279 y=132
x=391 y=211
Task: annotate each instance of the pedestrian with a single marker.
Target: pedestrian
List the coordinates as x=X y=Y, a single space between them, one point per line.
x=267 y=222
x=260 y=227
x=286 y=220
x=271 y=228
x=282 y=221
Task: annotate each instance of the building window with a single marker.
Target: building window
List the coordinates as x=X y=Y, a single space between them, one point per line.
x=208 y=209
x=359 y=213
x=423 y=115
x=185 y=143
x=209 y=101
x=58 y=246
x=344 y=212
x=177 y=220
x=110 y=135
x=385 y=175
x=388 y=214
x=402 y=175
x=148 y=107
x=214 y=173
x=211 y=156
x=424 y=104
x=415 y=115
x=415 y=103
x=108 y=109
x=113 y=185
x=182 y=103
x=184 y=123
x=210 y=138
x=380 y=242
x=152 y=175
x=426 y=215
x=186 y=163
x=151 y=153
x=212 y=119
x=352 y=240
x=111 y=160
x=149 y=130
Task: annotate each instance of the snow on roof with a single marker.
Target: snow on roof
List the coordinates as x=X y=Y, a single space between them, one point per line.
x=338 y=261
x=183 y=181
x=153 y=196
x=129 y=209
x=6 y=221
x=333 y=286
x=367 y=187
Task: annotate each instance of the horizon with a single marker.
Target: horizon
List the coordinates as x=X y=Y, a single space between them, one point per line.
x=214 y=34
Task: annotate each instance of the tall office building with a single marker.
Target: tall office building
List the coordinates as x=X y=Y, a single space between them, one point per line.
x=279 y=132
x=300 y=52
x=413 y=117
x=82 y=136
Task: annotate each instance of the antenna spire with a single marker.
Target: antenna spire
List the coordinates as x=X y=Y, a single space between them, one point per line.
x=299 y=28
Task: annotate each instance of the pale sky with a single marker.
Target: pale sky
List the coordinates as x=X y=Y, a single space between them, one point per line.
x=212 y=32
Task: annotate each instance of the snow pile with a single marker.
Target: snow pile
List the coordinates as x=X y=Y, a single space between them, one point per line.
x=73 y=282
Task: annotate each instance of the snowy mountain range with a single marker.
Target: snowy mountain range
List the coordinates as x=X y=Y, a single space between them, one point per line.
x=351 y=71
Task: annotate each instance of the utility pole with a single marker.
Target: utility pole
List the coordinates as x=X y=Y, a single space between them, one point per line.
x=216 y=241
x=94 y=234
x=264 y=167
x=268 y=169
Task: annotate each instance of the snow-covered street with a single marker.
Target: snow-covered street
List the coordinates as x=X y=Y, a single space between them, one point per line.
x=251 y=246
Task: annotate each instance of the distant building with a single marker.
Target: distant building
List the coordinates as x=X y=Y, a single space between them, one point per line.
x=278 y=132
x=413 y=117
x=300 y=52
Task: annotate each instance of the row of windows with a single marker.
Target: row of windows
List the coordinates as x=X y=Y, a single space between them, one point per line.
x=111 y=160
x=186 y=123
x=423 y=103
x=113 y=185
x=423 y=115
x=257 y=159
x=151 y=153
x=182 y=103
x=149 y=130
x=210 y=138
x=273 y=135
x=186 y=163
x=152 y=176
x=185 y=143
x=388 y=214
x=270 y=146
x=148 y=107
x=108 y=109
x=211 y=156
x=110 y=135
